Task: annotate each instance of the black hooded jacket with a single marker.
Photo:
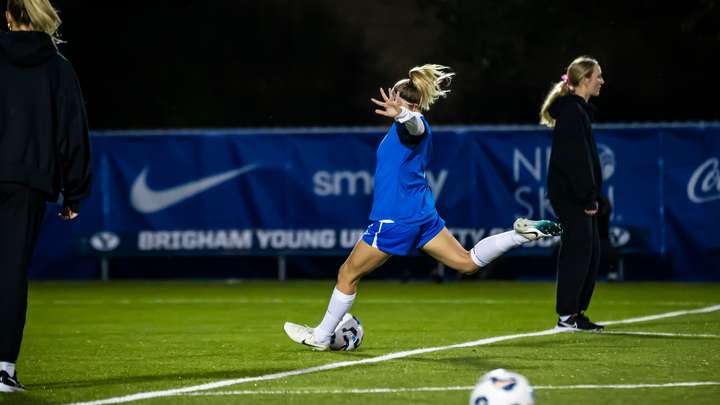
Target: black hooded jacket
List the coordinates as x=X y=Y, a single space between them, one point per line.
x=574 y=176
x=44 y=140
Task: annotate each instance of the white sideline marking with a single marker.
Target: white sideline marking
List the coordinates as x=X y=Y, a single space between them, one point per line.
x=665 y=315
x=378 y=359
x=660 y=334
x=626 y=386
x=442 y=389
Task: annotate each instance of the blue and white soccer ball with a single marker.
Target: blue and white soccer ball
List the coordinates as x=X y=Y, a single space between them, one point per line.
x=348 y=334
x=502 y=387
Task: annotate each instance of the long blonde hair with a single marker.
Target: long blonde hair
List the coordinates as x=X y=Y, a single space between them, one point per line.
x=579 y=68
x=40 y=15
x=425 y=85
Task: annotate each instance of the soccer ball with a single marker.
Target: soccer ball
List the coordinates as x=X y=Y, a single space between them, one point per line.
x=502 y=387
x=348 y=335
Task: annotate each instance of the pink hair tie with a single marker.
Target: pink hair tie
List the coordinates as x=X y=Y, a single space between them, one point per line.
x=566 y=80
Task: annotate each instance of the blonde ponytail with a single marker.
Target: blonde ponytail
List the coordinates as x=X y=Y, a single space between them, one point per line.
x=425 y=85
x=579 y=68
x=559 y=89
x=38 y=14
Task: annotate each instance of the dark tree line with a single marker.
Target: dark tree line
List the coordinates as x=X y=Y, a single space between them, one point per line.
x=224 y=63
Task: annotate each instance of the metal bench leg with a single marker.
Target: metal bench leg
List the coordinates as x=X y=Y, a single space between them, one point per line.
x=282 y=268
x=105 y=268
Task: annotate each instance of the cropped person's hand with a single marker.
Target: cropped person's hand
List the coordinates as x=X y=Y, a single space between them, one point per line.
x=391 y=105
x=68 y=214
x=592 y=211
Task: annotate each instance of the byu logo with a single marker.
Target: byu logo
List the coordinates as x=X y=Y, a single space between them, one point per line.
x=607 y=161
x=104 y=241
x=619 y=236
x=704 y=184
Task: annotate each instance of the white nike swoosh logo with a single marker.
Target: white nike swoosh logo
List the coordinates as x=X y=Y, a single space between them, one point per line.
x=148 y=201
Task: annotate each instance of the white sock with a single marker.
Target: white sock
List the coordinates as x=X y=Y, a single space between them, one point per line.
x=564 y=318
x=488 y=249
x=337 y=308
x=8 y=367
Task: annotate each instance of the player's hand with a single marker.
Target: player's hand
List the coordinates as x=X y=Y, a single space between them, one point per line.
x=391 y=104
x=592 y=211
x=68 y=214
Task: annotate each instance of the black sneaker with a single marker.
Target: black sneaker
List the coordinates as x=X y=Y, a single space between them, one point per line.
x=568 y=324
x=578 y=322
x=10 y=384
x=591 y=325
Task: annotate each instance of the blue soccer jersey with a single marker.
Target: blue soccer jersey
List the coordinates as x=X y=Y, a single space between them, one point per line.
x=402 y=193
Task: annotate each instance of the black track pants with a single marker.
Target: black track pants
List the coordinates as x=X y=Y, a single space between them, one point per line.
x=578 y=259
x=21 y=212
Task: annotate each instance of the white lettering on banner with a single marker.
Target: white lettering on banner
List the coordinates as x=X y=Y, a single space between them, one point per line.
x=534 y=167
x=342 y=182
x=523 y=196
x=534 y=207
x=296 y=239
x=704 y=184
x=436 y=185
x=285 y=239
x=534 y=202
x=195 y=240
x=348 y=237
x=345 y=182
x=519 y=192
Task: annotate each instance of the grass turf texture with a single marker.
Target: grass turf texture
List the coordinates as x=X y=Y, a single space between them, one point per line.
x=89 y=341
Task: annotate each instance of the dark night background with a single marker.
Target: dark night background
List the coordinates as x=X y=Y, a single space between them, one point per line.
x=269 y=63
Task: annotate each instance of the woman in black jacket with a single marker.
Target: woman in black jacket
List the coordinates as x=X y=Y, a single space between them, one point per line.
x=574 y=188
x=44 y=152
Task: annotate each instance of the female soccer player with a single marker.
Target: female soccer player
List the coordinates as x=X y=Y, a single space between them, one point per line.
x=575 y=188
x=403 y=215
x=44 y=151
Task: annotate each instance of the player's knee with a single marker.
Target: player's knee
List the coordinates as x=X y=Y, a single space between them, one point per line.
x=468 y=268
x=464 y=265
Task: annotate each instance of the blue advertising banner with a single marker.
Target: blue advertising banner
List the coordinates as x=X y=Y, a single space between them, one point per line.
x=299 y=191
x=691 y=191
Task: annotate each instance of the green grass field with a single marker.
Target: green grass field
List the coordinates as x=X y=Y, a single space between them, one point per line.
x=92 y=341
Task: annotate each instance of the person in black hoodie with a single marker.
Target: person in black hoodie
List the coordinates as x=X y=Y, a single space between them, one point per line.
x=575 y=188
x=44 y=152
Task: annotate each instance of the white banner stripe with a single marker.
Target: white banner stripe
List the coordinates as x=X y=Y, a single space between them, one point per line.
x=378 y=359
x=443 y=389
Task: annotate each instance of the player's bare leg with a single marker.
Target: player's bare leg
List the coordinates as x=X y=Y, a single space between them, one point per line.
x=362 y=260
x=447 y=250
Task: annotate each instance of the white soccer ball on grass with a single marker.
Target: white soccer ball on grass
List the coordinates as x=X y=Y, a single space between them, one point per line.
x=502 y=387
x=348 y=334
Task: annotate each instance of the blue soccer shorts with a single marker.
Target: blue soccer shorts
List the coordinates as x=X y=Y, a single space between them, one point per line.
x=401 y=239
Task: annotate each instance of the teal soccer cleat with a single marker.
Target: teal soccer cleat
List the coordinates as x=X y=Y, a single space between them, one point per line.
x=533 y=230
